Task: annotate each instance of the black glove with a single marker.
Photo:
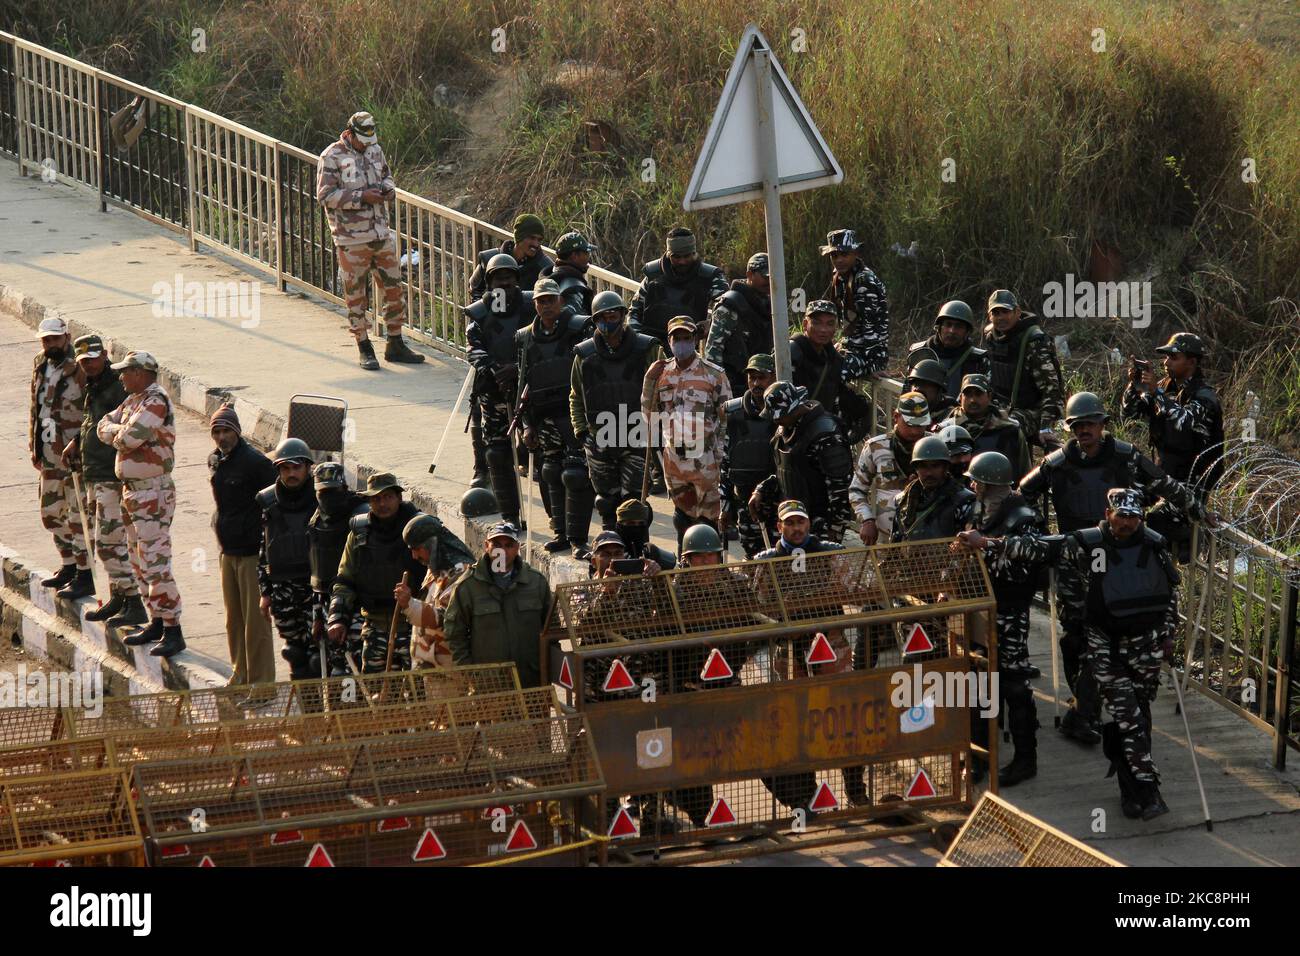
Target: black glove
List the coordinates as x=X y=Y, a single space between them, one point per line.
x=506 y=376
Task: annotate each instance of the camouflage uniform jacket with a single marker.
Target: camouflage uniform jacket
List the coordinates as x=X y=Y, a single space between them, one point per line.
x=996 y=431
x=143 y=430
x=691 y=407
x=1039 y=400
x=915 y=505
x=1184 y=420
x=882 y=470
x=64 y=399
x=864 y=316
x=343 y=175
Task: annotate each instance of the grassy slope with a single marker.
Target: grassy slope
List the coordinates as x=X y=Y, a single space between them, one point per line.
x=1058 y=149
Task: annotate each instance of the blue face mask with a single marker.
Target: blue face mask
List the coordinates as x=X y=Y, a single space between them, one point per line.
x=609 y=328
x=683 y=349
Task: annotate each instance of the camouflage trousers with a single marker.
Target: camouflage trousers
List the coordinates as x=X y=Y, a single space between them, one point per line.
x=148 y=505
x=338 y=654
x=495 y=412
x=291 y=612
x=693 y=483
x=59 y=515
x=1128 y=675
x=104 y=512
x=374 y=641
x=1013 y=639
x=357 y=263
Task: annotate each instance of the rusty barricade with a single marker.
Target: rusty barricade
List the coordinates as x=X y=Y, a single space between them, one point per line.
x=29 y=725
x=78 y=818
x=779 y=697
x=495 y=792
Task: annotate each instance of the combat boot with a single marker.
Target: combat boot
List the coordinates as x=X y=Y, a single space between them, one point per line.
x=1153 y=805
x=481 y=478
x=557 y=544
x=172 y=642
x=368 y=360
x=1075 y=726
x=1130 y=798
x=116 y=604
x=82 y=585
x=1023 y=766
x=64 y=577
x=398 y=351
x=132 y=613
x=146 y=635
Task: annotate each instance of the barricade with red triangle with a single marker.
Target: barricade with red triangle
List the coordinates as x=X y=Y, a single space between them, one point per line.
x=921 y=786
x=918 y=642
x=623 y=826
x=282 y=837
x=824 y=799
x=720 y=815
x=566 y=675
x=521 y=838
x=394 y=823
x=716 y=667
x=206 y=861
x=618 y=678
x=429 y=847
x=319 y=857
x=820 y=651
x=178 y=849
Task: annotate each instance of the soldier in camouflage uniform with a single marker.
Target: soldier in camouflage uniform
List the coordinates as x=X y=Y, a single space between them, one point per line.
x=327 y=533
x=677 y=283
x=741 y=323
x=573 y=258
x=1000 y=520
x=373 y=562
x=934 y=504
x=104 y=392
x=354 y=185
x=1026 y=370
x=444 y=554
x=1124 y=587
x=989 y=425
x=56 y=412
x=1077 y=478
x=961 y=449
x=143 y=430
x=928 y=377
x=861 y=304
x=813 y=462
x=1185 y=420
x=685 y=400
x=544 y=352
x=747 y=456
x=952 y=347
x=284 y=558
x=884 y=467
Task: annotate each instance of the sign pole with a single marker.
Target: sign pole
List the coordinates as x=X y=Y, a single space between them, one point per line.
x=772 y=214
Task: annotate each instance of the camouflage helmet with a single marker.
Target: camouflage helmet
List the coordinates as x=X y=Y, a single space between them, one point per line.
x=928 y=370
x=1085 y=406
x=991 y=468
x=701 y=539
x=291 y=449
x=930 y=448
x=501 y=261
x=607 y=301
x=1126 y=501
x=572 y=242
x=958 y=439
x=956 y=309
x=420 y=530
x=478 y=502
x=781 y=398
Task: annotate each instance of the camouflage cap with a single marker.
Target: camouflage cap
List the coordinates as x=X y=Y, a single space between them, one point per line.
x=141 y=360
x=545 y=286
x=1006 y=299
x=607 y=538
x=88 y=347
x=841 y=240
x=976 y=380
x=762 y=362
x=781 y=398
x=680 y=322
x=791 y=508
x=572 y=242
x=362 y=125
x=329 y=474
x=821 y=307
x=633 y=511
x=1126 y=501
x=52 y=326
x=502 y=529
x=757 y=263
x=914 y=408
x=1183 y=343
x=384 y=481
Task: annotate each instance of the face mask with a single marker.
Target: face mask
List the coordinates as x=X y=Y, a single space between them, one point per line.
x=683 y=349
x=634 y=535
x=609 y=328
x=330 y=498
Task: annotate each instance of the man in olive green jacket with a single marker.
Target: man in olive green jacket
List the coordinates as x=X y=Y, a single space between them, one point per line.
x=498 y=610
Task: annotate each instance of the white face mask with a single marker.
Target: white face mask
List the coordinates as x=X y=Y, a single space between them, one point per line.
x=683 y=349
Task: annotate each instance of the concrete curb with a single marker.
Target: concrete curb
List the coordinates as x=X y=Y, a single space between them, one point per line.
x=263 y=429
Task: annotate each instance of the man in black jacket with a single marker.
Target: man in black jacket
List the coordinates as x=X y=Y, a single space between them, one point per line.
x=327 y=533
x=284 y=562
x=238 y=473
x=677 y=283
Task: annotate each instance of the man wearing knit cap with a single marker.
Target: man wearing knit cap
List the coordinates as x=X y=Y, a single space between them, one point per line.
x=677 y=283
x=238 y=473
x=354 y=185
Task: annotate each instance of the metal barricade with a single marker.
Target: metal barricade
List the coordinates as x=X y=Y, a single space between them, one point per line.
x=85 y=818
x=779 y=696
x=1000 y=834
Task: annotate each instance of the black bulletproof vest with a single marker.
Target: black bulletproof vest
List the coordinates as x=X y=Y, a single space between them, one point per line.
x=937 y=519
x=287 y=543
x=1016 y=583
x=749 y=446
x=550 y=361
x=1079 y=488
x=499 y=328
x=667 y=297
x=1004 y=356
x=327 y=534
x=1135 y=588
x=754 y=335
x=611 y=381
x=820 y=374
x=382 y=556
x=794 y=467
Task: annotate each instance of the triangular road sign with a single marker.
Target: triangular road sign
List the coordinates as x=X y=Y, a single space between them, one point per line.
x=429 y=848
x=720 y=815
x=178 y=849
x=618 y=678
x=729 y=168
x=823 y=799
x=394 y=823
x=521 y=838
x=286 y=836
x=918 y=642
x=206 y=861
x=566 y=675
x=318 y=857
x=716 y=667
x=623 y=825
x=920 y=787
x=821 y=651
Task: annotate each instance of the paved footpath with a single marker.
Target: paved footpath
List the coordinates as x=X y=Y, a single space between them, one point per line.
x=59 y=254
